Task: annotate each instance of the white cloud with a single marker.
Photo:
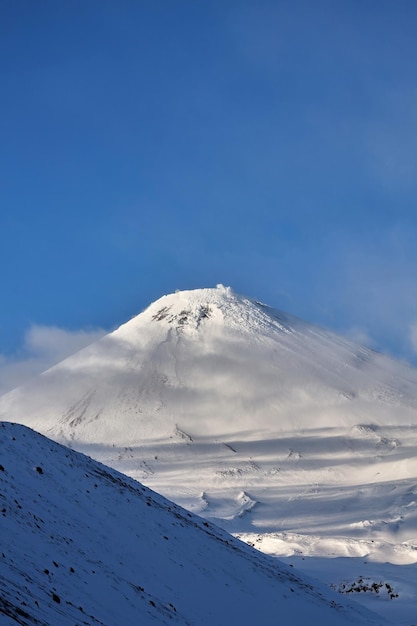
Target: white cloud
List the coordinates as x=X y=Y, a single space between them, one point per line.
x=360 y=336
x=43 y=347
x=392 y=139
x=413 y=336
x=58 y=343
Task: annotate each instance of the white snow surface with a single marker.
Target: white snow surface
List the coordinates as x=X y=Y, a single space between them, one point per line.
x=83 y=544
x=299 y=441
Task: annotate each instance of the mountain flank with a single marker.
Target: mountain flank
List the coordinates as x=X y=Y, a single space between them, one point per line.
x=83 y=544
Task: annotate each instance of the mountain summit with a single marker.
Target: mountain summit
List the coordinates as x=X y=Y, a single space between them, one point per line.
x=290 y=435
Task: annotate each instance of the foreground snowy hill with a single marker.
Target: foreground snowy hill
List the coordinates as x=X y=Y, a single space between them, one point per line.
x=83 y=544
x=301 y=442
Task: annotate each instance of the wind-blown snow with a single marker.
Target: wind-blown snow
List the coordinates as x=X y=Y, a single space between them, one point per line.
x=254 y=419
x=83 y=544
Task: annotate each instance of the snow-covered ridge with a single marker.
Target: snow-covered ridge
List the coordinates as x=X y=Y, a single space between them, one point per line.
x=83 y=544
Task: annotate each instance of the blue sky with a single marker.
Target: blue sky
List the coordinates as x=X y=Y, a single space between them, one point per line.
x=153 y=146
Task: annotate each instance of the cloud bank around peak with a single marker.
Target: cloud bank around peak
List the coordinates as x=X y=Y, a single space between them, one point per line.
x=42 y=347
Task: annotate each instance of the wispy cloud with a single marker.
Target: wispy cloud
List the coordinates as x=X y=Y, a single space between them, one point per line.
x=43 y=347
x=372 y=288
x=413 y=336
x=392 y=139
x=360 y=336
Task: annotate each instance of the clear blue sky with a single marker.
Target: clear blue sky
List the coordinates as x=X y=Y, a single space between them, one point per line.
x=148 y=146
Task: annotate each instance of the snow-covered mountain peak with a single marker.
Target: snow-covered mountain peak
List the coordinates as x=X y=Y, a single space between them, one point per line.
x=196 y=309
x=188 y=309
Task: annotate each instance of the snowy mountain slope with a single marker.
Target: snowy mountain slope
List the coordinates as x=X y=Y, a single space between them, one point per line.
x=244 y=365
x=83 y=544
x=251 y=400
x=265 y=424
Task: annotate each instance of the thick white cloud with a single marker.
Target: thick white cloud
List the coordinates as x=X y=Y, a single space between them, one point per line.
x=43 y=347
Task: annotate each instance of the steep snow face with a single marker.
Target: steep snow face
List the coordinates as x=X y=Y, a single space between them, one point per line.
x=83 y=544
x=287 y=434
